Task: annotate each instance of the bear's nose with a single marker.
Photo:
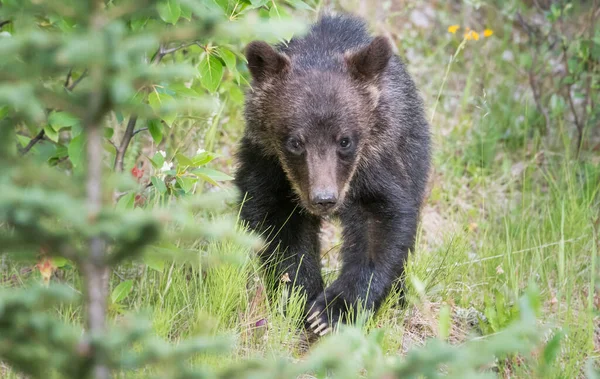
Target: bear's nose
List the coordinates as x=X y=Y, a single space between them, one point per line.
x=324 y=201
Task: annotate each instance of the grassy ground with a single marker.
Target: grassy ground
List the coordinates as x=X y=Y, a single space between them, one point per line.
x=507 y=208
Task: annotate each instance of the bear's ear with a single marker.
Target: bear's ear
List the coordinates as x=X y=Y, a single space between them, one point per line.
x=371 y=60
x=264 y=61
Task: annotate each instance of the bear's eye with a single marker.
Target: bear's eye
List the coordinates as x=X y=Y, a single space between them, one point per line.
x=345 y=143
x=294 y=146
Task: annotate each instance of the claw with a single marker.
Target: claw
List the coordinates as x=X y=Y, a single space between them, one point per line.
x=317 y=322
x=320 y=327
x=324 y=332
x=315 y=314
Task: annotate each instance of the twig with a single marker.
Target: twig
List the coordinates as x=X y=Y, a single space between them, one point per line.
x=140 y=130
x=2 y=23
x=578 y=124
x=122 y=149
x=34 y=140
x=536 y=94
x=76 y=82
x=129 y=131
x=41 y=134
x=162 y=51
x=68 y=79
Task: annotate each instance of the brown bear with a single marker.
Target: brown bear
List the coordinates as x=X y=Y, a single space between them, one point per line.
x=334 y=127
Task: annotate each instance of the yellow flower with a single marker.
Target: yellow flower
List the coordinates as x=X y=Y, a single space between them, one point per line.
x=471 y=35
x=453 y=28
x=488 y=33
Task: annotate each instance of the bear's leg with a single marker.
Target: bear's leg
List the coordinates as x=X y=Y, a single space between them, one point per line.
x=291 y=255
x=377 y=237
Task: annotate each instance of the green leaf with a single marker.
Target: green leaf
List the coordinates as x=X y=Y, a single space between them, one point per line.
x=203 y=158
x=156 y=130
x=444 y=322
x=186 y=183
x=157 y=160
x=158 y=184
x=59 y=120
x=154 y=263
x=158 y=102
x=126 y=201
x=229 y=58
x=211 y=73
x=75 y=150
x=121 y=291
x=108 y=132
x=211 y=176
x=183 y=160
x=138 y=24
x=60 y=261
x=299 y=4
x=51 y=133
x=258 y=3
x=186 y=13
x=169 y=11
x=182 y=90
x=552 y=348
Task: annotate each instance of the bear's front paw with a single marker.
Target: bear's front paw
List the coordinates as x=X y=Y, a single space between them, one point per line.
x=326 y=311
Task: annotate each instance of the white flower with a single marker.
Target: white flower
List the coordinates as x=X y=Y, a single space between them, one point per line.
x=162 y=152
x=166 y=166
x=200 y=151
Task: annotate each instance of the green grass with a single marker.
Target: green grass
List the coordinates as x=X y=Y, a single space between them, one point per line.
x=508 y=208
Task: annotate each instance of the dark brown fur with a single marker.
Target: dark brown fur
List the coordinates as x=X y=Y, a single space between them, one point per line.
x=335 y=126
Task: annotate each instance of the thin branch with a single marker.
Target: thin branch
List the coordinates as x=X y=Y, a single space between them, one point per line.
x=140 y=130
x=2 y=23
x=536 y=94
x=122 y=149
x=34 y=140
x=129 y=131
x=41 y=134
x=578 y=123
x=68 y=79
x=76 y=82
x=162 y=51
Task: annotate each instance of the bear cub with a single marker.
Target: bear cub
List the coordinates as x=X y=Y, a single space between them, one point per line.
x=334 y=127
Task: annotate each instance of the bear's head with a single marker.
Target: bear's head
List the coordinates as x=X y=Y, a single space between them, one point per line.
x=315 y=118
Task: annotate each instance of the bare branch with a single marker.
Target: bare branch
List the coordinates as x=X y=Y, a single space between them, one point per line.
x=76 y=82
x=41 y=134
x=68 y=79
x=122 y=149
x=129 y=131
x=162 y=51
x=140 y=130
x=536 y=93
x=34 y=140
x=578 y=124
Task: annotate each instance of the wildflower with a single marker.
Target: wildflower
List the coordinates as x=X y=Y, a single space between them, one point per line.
x=166 y=166
x=488 y=33
x=162 y=152
x=137 y=173
x=453 y=29
x=471 y=35
x=200 y=151
x=47 y=268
